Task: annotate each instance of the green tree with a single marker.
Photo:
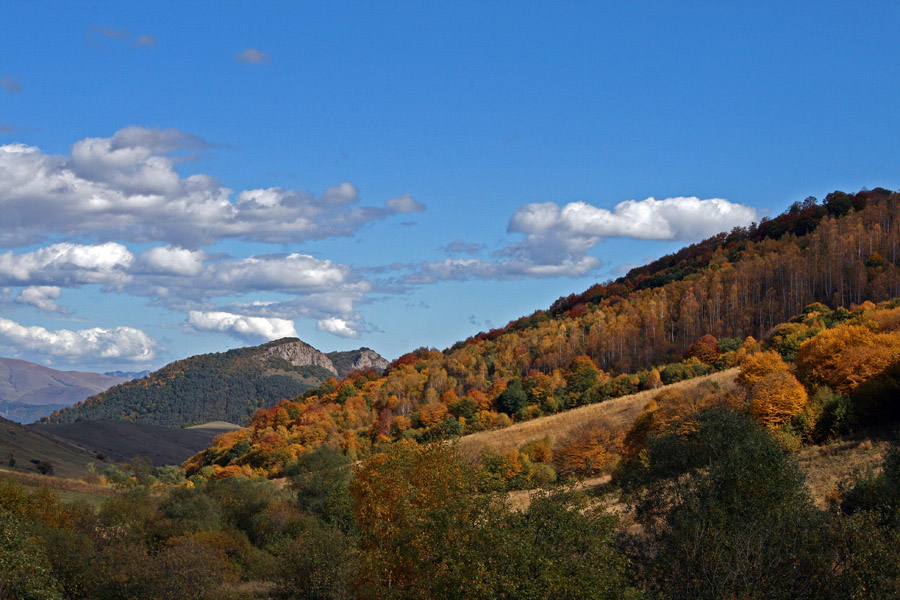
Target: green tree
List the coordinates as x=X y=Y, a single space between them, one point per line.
x=513 y=398
x=25 y=572
x=727 y=515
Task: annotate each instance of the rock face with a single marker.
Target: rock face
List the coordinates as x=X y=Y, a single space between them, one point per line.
x=353 y=360
x=301 y=354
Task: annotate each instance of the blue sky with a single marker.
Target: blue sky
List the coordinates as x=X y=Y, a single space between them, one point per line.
x=178 y=178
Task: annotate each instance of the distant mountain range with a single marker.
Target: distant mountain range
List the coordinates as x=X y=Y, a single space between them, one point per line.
x=29 y=391
x=128 y=374
x=225 y=386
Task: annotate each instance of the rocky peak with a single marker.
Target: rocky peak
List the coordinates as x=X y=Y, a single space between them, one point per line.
x=352 y=360
x=300 y=354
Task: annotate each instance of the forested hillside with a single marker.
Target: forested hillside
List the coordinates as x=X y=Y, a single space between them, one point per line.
x=224 y=386
x=684 y=315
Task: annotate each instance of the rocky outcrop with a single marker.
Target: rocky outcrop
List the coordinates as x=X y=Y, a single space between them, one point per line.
x=301 y=354
x=354 y=360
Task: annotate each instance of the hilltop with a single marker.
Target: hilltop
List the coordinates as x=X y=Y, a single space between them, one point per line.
x=29 y=391
x=225 y=386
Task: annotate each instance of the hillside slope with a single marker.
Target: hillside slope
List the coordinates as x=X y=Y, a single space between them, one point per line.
x=620 y=412
x=226 y=386
x=24 y=448
x=29 y=391
x=123 y=440
x=614 y=339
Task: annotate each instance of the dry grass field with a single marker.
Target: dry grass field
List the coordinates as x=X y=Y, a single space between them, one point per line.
x=829 y=465
x=826 y=466
x=68 y=489
x=620 y=411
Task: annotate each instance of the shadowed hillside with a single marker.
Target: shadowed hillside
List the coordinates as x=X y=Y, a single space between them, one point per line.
x=24 y=449
x=123 y=440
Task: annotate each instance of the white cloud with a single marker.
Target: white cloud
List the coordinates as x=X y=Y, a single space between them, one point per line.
x=557 y=240
x=242 y=325
x=338 y=327
x=186 y=274
x=474 y=268
x=294 y=272
x=67 y=264
x=42 y=297
x=650 y=219
x=253 y=56
x=173 y=261
x=125 y=187
x=124 y=343
x=405 y=204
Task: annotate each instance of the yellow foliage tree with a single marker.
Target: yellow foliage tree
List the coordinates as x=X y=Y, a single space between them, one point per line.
x=846 y=356
x=756 y=366
x=776 y=398
x=773 y=393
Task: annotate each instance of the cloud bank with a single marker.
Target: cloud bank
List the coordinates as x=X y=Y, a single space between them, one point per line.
x=126 y=188
x=558 y=239
x=124 y=343
x=251 y=328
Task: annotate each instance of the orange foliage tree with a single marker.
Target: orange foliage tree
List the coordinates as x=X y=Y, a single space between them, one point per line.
x=844 y=357
x=774 y=394
x=591 y=450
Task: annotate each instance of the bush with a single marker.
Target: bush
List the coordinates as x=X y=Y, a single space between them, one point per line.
x=727 y=515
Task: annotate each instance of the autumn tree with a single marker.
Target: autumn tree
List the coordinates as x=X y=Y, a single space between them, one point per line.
x=847 y=355
x=408 y=503
x=589 y=451
x=774 y=394
x=706 y=349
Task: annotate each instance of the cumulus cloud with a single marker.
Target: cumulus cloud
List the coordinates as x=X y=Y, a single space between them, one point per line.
x=558 y=239
x=650 y=219
x=67 y=264
x=405 y=204
x=125 y=187
x=168 y=260
x=338 y=327
x=243 y=326
x=169 y=272
x=253 y=56
x=185 y=279
x=42 y=297
x=124 y=343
